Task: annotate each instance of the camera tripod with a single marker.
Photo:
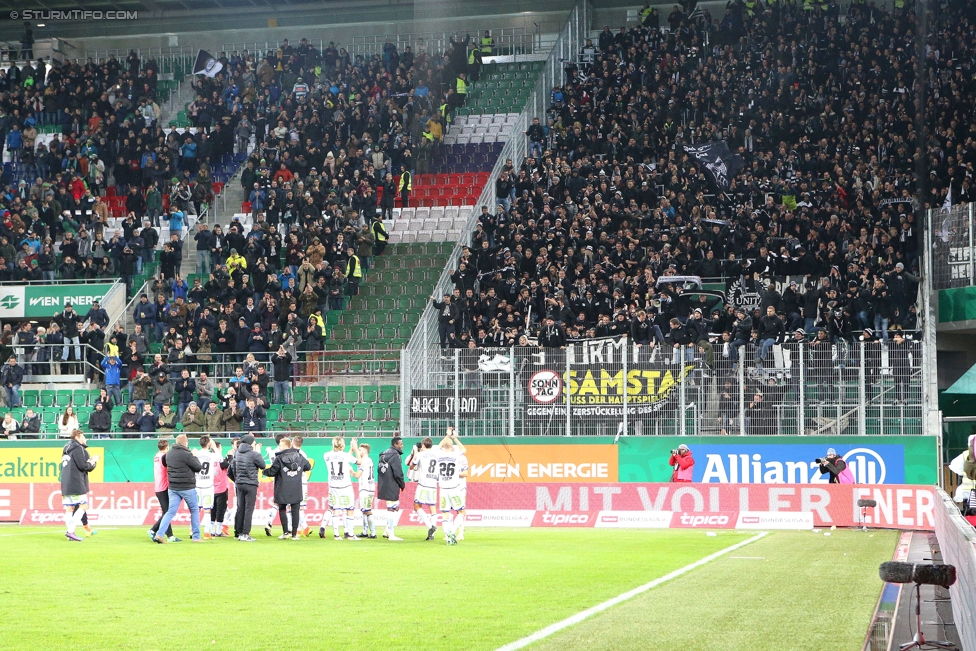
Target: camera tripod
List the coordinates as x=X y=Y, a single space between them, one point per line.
x=919 y=641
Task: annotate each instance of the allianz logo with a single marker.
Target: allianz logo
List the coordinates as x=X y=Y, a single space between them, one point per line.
x=867 y=466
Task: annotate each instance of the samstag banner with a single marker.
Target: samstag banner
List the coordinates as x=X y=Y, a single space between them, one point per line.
x=594 y=377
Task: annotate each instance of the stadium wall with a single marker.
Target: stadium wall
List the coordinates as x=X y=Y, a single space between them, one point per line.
x=592 y=476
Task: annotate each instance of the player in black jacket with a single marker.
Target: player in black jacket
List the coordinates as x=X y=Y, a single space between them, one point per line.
x=75 y=466
x=389 y=484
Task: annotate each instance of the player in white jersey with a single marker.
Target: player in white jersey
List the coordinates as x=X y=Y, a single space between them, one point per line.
x=303 y=527
x=449 y=456
x=367 y=490
x=339 y=464
x=272 y=507
x=210 y=460
x=423 y=460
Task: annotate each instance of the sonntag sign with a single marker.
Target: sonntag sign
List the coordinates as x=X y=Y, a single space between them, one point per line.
x=44 y=301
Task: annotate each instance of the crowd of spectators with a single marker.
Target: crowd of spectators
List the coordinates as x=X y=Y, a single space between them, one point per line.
x=323 y=135
x=819 y=223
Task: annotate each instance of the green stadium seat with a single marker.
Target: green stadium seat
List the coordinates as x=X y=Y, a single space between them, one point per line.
x=377 y=412
x=63 y=398
x=79 y=397
x=360 y=411
x=388 y=427
x=309 y=414
x=93 y=396
x=352 y=428
x=343 y=413
x=388 y=393
x=289 y=413
x=370 y=394
x=316 y=395
x=395 y=411
x=300 y=394
x=30 y=398
x=333 y=427
x=49 y=417
x=351 y=394
x=273 y=414
x=334 y=394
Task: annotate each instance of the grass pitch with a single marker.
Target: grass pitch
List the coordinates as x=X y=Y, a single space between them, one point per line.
x=117 y=590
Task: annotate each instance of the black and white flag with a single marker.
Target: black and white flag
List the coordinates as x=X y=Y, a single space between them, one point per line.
x=207 y=65
x=720 y=162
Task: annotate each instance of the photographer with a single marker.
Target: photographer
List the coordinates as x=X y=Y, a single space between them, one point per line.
x=683 y=462
x=836 y=467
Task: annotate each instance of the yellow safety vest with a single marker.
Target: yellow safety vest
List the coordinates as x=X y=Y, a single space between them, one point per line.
x=471 y=58
x=750 y=8
x=353 y=268
x=408 y=179
x=379 y=232
x=461 y=87
x=320 y=323
x=429 y=136
x=487 y=43
x=446 y=113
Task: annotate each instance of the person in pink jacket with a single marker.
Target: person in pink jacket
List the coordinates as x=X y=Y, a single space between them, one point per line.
x=683 y=462
x=161 y=486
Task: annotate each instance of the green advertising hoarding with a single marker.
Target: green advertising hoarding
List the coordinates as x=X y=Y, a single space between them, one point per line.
x=44 y=301
x=718 y=459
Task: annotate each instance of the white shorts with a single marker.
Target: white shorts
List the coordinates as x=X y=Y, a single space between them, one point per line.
x=205 y=498
x=452 y=499
x=342 y=498
x=425 y=495
x=74 y=500
x=365 y=501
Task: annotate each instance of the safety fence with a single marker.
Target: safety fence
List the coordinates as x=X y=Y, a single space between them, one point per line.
x=953 y=233
x=957 y=542
x=607 y=387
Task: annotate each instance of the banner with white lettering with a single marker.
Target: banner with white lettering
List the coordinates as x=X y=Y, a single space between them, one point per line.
x=442 y=403
x=567 y=504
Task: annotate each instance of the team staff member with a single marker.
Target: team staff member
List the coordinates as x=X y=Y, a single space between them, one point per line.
x=683 y=462
x=287 y=469
x=244 y=469
x=75 y=466
x=182 y=468
x=390 y=483
x=835 y=465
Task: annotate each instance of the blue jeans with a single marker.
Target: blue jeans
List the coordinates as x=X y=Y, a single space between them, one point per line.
x=71 y=340
x=764 y=346
x=535 y=150
x=736 y=345
x=683 y=352
x=282 y=393
x=13 y=395
x=204 y=262
x=190 y=497
x=114 y=392
x=881 y=326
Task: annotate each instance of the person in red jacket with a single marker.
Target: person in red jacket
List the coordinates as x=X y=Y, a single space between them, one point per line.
x=683 y=463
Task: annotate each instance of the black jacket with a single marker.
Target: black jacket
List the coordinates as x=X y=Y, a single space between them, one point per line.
x=287 y=469
x=75 y=466
x=390 y=475
x=100 y=421
x=246 y=464
x=181 y=468
x=282 y=367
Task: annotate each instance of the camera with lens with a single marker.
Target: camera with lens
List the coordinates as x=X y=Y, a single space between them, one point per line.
x=674 y=452
x=820 y=461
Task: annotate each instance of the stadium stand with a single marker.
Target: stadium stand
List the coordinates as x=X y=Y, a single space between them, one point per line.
x=307 y=254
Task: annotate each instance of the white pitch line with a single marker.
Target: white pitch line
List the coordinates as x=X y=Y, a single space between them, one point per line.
x=599 y=608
